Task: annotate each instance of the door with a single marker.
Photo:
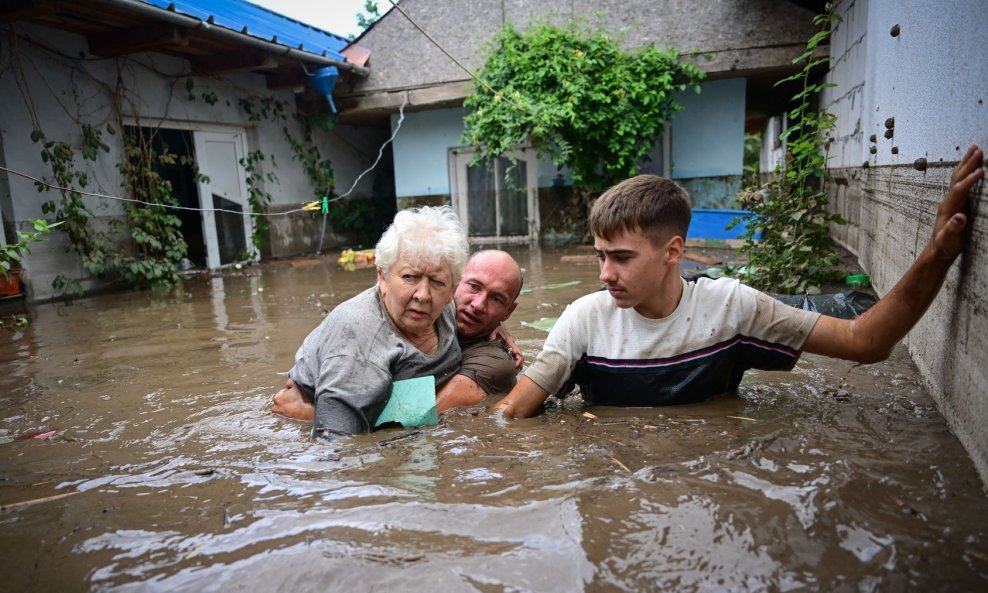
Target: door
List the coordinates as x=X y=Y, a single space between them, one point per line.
x=226 y=220
x=496 y=199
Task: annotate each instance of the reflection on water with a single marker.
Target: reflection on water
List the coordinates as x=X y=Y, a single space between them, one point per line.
x=180 y=479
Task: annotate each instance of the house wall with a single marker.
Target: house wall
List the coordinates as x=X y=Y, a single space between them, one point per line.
x=931 y=79
x=47 y=86
x=733 y=35
x=707 y=144
x=421 y=151
x=707 y=149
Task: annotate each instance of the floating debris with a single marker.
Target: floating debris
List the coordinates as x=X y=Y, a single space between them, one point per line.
x=551 y=286
x=39 y=435
x=544 y=324
x=351 y=260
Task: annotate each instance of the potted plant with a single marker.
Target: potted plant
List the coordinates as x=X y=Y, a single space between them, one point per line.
x=11 y=255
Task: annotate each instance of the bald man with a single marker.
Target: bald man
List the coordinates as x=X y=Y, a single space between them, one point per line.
x=485 y=298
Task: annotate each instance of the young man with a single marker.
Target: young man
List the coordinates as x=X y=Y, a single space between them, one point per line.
x=654 y=339
x=485 y=297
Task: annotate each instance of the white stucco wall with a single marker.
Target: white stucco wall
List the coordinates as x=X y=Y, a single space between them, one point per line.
x=933 y=80
x=49 y=86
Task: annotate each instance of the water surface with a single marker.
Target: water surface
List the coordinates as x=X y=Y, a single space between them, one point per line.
x=175 y=476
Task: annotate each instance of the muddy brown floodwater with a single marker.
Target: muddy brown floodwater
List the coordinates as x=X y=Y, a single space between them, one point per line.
x=168 y=473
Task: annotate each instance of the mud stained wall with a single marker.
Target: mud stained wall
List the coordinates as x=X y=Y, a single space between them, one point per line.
x=912 y=84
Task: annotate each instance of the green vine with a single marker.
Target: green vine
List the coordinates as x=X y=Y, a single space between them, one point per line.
x=71 y=212
x=355 y=216
x=11 y=254
x=574 y=94
x=796 y=253
x=258 y=198
x=158 y=244
x=155 y=229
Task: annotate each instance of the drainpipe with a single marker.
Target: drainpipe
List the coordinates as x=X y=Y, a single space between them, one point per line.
x=195 y=24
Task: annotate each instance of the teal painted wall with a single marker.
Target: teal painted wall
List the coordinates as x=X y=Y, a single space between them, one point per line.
x=421 y=149
x=707 y=147
x=707 y=143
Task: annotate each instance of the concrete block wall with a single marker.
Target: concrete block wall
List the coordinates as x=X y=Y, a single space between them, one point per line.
x=921 y=64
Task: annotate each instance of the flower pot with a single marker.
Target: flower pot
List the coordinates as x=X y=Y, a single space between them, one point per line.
x=11 y=284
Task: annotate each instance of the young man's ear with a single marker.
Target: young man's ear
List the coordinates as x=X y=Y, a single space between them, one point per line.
x=675 y=248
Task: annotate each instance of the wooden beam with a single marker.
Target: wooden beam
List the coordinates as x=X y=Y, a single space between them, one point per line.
x=286 y=80
x=240 y=61
x=390 y=101
x=23 y=10
x=154 y=37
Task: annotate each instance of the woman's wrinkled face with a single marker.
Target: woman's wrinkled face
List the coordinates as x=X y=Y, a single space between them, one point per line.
x=414 y=293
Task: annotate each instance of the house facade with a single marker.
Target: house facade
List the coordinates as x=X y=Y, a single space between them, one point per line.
x=224 y=86
x=910 y=98
x=418 y=88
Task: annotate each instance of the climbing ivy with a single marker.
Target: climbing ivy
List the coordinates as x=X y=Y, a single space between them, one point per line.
x=356 y=216
x=156 y=231
x=157 y=244
x=258 y=198
x=574 y=94
x=94 y=246
x=11 y=254
x=796 y=253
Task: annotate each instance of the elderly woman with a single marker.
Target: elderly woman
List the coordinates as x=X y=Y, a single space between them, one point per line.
x=402 y=328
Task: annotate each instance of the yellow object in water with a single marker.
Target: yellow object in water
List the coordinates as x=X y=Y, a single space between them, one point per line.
x=351 y=260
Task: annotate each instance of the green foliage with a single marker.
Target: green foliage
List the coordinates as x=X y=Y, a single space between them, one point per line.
x=257 y=197
x=373 y=13
x=576 y=95
x=154 y=233
x=355 y=216
x=11 y=254
x=93 y=246
x=797 y=254
x=154 y=229
x=752 y=156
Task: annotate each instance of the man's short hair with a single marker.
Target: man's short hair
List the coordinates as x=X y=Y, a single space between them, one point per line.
x=652 y=205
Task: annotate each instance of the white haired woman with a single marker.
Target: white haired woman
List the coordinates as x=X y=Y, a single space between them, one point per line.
x=402 y=328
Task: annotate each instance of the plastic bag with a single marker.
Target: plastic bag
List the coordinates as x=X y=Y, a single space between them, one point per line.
x=843 y=305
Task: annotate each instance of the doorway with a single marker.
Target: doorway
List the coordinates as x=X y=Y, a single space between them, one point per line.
x=219 y=233
x=226 y=220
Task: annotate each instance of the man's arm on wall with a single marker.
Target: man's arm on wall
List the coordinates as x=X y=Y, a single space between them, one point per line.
x=871 y=337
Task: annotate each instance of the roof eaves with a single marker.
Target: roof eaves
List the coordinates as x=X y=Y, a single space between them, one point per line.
x=260 y=23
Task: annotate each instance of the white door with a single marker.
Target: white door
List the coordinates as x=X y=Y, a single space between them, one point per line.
x=226 y=220
x=497 y=199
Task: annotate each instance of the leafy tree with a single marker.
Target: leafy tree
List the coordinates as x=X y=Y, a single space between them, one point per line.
x=373 y=13
x=574 y=94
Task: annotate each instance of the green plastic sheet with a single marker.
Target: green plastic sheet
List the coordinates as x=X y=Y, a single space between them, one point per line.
x=412 y=403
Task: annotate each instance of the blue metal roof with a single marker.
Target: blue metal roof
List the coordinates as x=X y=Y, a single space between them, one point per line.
x=261 y=23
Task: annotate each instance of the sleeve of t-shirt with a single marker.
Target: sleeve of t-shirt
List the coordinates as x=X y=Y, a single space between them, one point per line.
x=773 y=321
x=565 y=345
x=489 y=366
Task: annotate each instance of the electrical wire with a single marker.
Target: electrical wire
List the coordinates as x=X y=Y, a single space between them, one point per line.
x=309 y=206
x=136 y=201
x=380 y=152
x=481 y=81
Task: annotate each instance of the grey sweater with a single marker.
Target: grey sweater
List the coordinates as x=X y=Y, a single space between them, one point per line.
x=350 y=360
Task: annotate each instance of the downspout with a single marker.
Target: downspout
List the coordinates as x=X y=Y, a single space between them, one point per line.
x=195 y=24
